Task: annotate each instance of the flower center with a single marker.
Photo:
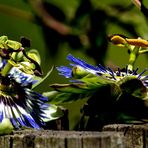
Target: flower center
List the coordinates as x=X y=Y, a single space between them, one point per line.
x=9 y=88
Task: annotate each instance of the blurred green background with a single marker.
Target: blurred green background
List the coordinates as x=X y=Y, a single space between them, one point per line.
x=57 y=28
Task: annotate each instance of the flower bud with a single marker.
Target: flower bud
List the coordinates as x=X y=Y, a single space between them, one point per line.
x=79 y=72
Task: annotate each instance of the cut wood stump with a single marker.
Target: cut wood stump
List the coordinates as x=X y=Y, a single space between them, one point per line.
x=62 y=139
x=136 y=135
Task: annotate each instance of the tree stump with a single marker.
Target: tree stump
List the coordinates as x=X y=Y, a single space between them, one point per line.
x=136 y=135
x=62 y=139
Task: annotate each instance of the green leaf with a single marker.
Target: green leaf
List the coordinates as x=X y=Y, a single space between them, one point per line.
x=34 y=54
x=43 y=79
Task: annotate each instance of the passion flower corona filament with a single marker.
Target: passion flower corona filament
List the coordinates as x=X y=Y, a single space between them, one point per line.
x=79 y=68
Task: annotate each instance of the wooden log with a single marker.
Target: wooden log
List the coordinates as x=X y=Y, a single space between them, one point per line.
x=62 y=139
x=136 y=135
x=5 y=141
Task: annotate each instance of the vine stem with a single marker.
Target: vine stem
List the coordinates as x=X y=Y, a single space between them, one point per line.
x=133 y=57
x=6 y=69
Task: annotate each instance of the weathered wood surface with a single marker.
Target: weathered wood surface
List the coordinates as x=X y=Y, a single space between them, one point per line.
x=62 y=139
x=112 y=136
x=136 y=135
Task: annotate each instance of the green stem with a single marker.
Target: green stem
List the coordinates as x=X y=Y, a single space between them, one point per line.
x=143 y=51
x=133 y=57
x=6 y=69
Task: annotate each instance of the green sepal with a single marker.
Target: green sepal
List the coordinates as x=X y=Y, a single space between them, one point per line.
x=88 y=83
x=34 y=54
x=56 y=97
x=6 y=127
x=84 y=88
x=79 y=72
x=71 y=88
x=53 y=112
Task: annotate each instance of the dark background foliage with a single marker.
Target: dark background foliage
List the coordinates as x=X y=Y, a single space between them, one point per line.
x=80 y=27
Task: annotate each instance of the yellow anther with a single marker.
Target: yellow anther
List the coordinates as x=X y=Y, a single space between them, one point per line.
x=138 y=42
x=120 y=40
x=117 y=40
